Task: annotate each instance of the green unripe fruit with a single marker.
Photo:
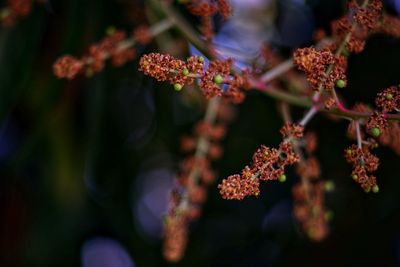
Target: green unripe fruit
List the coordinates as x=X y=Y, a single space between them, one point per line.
x=340 y=84
x=201 y=59
x=329 y=186
x=389 y=96
x=375 y=132
x=375 y=189
x=328 y=215
x=355 y=177
x=89 y=72
x=4 y=13
x=185 y=72
x=110 y=30
x=177 y=87
x=218 y=79
x=282 y=178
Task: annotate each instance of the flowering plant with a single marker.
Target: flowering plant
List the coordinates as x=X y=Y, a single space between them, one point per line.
x=305 y=82
x=324 y=67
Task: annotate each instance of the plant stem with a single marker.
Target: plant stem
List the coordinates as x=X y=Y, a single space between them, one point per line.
x=202 y=146
x=277 y=71
x=313 y=110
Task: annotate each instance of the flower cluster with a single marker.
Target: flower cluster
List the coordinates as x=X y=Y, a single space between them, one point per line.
x=206 y=9
x=309 y=209
x=364 y=163
x=215 y=80
x=175 y=236
x=309 y=168
x=292 y=130
x=391 y=137
x=389 y=99
x=167 y=68
x=193 y=180
x=268 y=164
x=15 y=10
x=386 y=132
x=116 y=46
x=315 y=64
x=376 y=124
x=390 y=25
x=357 y=27
x=309 y=193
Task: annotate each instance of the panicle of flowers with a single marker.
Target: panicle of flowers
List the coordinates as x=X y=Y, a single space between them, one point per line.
x=167 y=68
x=376 y=124
x=309 y=209
x=215 y=80
x=364 y=164
x=386 y=132
x=356 y=27
x=389 y=99
x=269 y=56
x=224 y=8
x=195 y=176
x=268 y=164
x=391 y=137
x=309 y=194
x=175 y=236
x=315 y=65
x=206 y=9
x=390 y=25
x=308 y=168
x=116 y=46
x=14 y=10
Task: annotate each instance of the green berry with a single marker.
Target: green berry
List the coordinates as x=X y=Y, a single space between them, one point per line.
x=375 y=132
x=355 y=177
x=89 y=72
x=328 y=215
x=345 y=52
x=166 y=220
x=185 y=72
x=177 y=87
x=110 y=30
x=4 y=13
x=201 y=59
x=340 y=83
x=367 y=190
x=218 y=79
x=349 y=151
x=389 y=96
x=282 y=178
x=375 y=189
x=329 y=186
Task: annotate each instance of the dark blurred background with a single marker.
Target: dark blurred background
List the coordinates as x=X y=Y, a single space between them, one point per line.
x=86 y=165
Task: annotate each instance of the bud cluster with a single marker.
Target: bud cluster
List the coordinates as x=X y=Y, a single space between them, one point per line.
x=14 y=10
x=206 y=9
x=116 y=46
x=268 y=164
x=309 y=209
x=315 y=65
x=215 y=80
x=195 y=176
x=364 y=163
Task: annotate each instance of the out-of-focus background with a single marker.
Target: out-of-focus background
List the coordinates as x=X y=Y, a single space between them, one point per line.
x=86 y=165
